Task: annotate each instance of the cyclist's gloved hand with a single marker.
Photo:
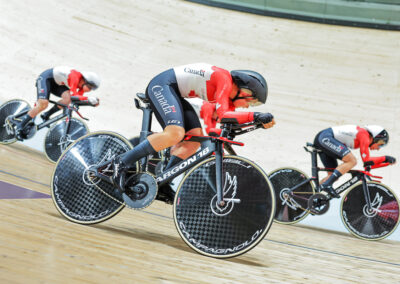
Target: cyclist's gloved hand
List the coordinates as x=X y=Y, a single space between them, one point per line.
x=93 y=101
x=368 y=163
x=390 y=159
x=263 y=117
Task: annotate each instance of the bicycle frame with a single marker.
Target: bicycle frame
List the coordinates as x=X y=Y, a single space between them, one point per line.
x=356 y=176
x=66 y=113
x=209 y=145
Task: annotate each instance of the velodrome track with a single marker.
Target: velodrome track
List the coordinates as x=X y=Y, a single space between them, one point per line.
x=318 y=76
x=39 y=246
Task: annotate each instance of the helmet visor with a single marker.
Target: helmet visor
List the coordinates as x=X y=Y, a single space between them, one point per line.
x=381 y=143
x=246 y=94
x=90 y=85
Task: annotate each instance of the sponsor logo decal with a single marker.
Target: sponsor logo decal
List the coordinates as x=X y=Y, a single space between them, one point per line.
x=327 y=142
x=195 y=72
x=186 y=163
x=166 y=107
x=230 y=188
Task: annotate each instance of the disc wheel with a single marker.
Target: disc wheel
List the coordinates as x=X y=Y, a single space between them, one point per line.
x=291 y=205
x=8 y=109
x=375 y=223
x=56 y=141
x=76 y=195
x=231 y=229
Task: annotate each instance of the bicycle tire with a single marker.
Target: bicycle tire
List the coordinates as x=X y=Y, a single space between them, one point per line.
x=10 y=107
x=55 y=143
x=76 y=198
x=376 y=224
x=293 y=210
x=236 y=228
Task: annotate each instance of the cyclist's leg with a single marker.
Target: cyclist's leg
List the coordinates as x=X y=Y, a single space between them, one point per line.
x=185 y=149
x=59 y=91
x=43 y=92
x=333 y=150
x=166 y=105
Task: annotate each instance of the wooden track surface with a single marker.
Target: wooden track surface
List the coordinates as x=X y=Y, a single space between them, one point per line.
x=38 y=245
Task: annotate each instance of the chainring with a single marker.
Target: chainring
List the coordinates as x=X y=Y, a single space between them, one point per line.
x=140 y=191
x=318 y=204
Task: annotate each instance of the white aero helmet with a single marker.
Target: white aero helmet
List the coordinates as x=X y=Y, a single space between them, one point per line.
x=91 y=79
x=378 y=133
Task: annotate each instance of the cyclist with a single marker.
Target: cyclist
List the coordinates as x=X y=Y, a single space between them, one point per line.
x=335 y=142
x=167 y=92
x=63 y=82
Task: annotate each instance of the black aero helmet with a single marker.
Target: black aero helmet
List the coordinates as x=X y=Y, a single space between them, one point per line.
x=253 y=81
x=378 y=133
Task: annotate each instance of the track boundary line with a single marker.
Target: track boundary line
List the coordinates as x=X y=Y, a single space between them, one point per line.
x=24 y=178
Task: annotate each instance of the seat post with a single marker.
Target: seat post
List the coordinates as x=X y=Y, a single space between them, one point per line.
x=146 y=123
x=314 y=164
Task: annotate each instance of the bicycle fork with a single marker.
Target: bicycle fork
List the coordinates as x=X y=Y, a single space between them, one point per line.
x=219 y=174
x=367 y=195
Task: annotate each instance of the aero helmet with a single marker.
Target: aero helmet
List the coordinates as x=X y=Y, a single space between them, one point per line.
x=378 y=134
x=92 y=79
x=253 y=81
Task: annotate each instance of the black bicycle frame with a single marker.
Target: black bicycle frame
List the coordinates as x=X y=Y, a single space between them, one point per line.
x=356 y=177
x=66 y=113
x=209 y=145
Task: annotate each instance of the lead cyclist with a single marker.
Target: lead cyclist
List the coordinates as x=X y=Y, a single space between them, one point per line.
x=224 y=90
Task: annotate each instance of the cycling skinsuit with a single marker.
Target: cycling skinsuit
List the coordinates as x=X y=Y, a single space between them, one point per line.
x=58 y=80
x=336 y=141
x=167 y=92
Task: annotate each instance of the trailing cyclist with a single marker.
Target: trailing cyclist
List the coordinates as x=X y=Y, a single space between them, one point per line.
x=167 y=92
x=335 y=142
x=63 y=82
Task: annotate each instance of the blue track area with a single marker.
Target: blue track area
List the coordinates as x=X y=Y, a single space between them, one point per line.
x=10 y=191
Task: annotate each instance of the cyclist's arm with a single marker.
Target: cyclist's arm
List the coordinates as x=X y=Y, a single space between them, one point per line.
x=209 y=116
x=224 y=106
x=92 y=101
x=363 y=138
x=73 y=80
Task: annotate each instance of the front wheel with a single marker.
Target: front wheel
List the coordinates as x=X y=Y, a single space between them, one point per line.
x=56 y=140
x=7 y=111
x=232 y=229
x=78 y=197
x=291 y=204
x=373 y=223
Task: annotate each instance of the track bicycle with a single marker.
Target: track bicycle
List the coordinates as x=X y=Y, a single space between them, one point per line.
x=223 y=207
x=63 y=128
x=158 y=162
x=369 y=209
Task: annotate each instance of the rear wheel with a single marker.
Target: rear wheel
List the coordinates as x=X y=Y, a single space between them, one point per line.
x=375 y=223
x=7 y=111
x=78 y=197
x=291 y=205
x=232 y=229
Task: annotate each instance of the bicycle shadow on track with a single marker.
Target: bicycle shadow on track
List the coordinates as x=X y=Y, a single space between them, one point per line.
x=174 y=242
x=145 y=235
